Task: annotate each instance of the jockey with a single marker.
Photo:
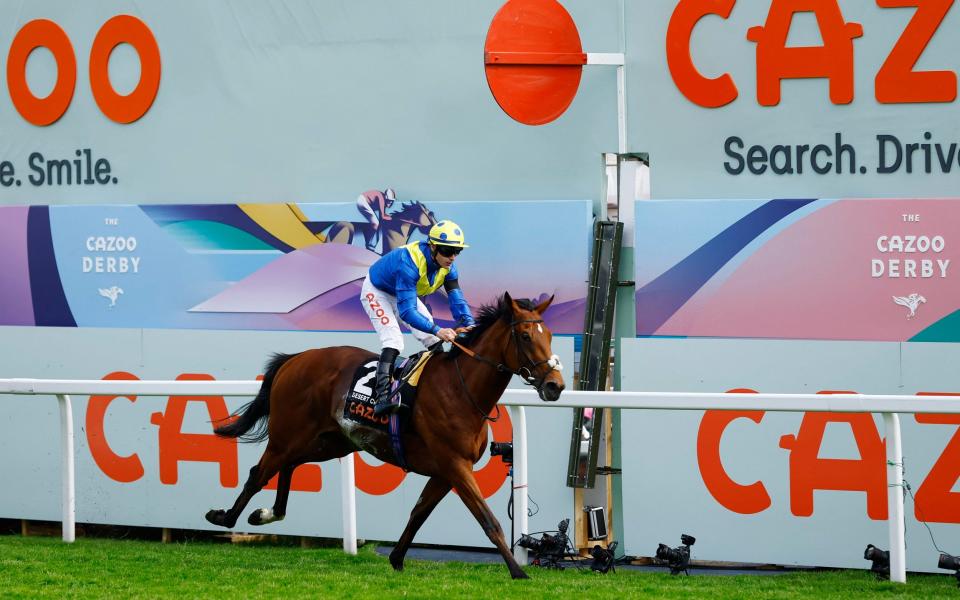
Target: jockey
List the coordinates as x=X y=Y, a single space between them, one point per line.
x=373 y=205
x=394 y=286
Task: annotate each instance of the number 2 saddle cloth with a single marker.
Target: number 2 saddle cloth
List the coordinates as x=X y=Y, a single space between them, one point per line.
x=381 y=436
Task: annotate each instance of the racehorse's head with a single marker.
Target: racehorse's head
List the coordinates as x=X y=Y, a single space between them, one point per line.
x=416 y=214
x=425 y=218
x=412 y=217
x=529 y=353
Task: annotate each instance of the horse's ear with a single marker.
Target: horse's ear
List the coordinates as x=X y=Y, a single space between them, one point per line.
x=543 y=305
x=509 y=303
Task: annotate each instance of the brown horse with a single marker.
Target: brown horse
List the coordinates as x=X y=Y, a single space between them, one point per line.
x=304 y=397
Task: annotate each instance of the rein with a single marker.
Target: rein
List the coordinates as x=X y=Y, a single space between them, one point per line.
x=463 y=384
x=528 y=378
x=500 y=367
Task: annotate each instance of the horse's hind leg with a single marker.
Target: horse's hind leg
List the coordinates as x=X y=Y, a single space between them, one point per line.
x=327 y=446
x=265 y=516
x=271 y=462
x=469 y=492
x=435 y=491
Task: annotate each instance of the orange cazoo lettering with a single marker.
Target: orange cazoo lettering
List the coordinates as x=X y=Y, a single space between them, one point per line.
x=743 y=499
x=895 y=82
x=43 y=33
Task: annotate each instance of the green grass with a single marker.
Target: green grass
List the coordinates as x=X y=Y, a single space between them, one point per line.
x=46 y=567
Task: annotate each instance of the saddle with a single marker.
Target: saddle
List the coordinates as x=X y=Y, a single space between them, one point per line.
x=360 y=402
x=409 y=369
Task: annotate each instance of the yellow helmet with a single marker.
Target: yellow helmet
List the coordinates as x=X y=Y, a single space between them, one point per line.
x=447 y=233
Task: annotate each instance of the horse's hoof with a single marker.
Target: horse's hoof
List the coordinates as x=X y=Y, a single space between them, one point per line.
x=215 y=516
x=263 y=516
x=396 y=563
x=219 y=518
x=520 y=575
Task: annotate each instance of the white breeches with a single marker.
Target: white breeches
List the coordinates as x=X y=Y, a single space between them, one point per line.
x=381 y=307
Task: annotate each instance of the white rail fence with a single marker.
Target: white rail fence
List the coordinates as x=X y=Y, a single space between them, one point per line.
x=887 y=405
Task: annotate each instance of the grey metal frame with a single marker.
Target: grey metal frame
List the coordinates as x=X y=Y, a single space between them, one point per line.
x=595 y=353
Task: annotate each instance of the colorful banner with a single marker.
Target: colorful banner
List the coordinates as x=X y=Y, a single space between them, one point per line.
x=270 y=266
x=879 y=269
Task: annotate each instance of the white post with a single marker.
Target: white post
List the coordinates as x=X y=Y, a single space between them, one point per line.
x=622 y=109
x=616 y=59
x=622 y=83
x=68 y=488
x=349 y=504
x=898 y=547
x=520 y=498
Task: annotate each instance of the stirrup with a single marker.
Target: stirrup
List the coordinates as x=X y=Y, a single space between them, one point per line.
x=387 y=407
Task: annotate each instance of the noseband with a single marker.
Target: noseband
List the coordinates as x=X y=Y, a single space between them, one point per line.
x=526 y=372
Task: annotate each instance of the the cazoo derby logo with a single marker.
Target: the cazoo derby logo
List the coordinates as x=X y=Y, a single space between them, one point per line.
x=911 y=303
x=111 y=293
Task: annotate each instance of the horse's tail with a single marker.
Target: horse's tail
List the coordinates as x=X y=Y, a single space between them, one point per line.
x=253 y=415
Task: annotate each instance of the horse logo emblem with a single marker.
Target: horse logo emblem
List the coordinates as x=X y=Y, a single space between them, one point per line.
x=112 y=293
x=912 y=302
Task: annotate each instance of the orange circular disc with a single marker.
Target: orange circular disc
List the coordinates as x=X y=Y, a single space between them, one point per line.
x=533 y=59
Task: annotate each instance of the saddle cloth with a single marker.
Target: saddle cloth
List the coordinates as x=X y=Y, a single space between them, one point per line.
x=360 y=400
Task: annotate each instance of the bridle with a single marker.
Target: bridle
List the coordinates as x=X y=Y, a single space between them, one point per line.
x=525 y=372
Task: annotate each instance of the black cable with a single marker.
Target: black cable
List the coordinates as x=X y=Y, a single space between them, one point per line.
x=513 y=542
x=573 y=552
x=909 y=489
x=530 y=512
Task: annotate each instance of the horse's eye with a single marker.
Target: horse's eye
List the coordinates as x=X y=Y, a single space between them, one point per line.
x=526 y=337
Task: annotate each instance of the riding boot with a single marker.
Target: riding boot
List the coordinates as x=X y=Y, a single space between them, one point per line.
x=384 y=371
x=374 y=240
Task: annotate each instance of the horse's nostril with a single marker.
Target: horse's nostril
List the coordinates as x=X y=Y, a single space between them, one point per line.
x=551 y=391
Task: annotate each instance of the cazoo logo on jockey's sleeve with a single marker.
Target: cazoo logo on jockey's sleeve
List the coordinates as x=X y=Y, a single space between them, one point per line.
x=43 y=33
x=895 y=82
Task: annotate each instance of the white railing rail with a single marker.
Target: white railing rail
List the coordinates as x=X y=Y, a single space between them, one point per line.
x=888 y=405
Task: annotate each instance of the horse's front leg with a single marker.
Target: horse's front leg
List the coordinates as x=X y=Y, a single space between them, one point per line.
x=435 y=491
x=469 y=492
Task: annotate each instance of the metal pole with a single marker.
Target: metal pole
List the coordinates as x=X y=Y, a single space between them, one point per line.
x=520 y=478
x=349 y=502
x=622 y=109
x=622 y=82
x=898 y=546
x=68 y=487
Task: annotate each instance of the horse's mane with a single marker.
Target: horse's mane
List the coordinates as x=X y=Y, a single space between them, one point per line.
x=407 y=209
x=486 y=317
